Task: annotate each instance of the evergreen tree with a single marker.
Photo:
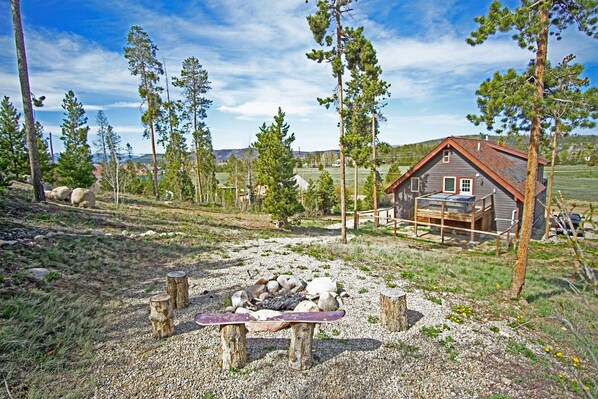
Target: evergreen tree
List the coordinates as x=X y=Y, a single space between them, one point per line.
x=195 y=84
x=237 y=174
x=533 y=22
x=13 y=147
x=275 y=170
x=141 y=53
x=368 y=188
x=75 y=167
x=393 y=174
x=36 y=178
x=46 y=164
x=333 y=40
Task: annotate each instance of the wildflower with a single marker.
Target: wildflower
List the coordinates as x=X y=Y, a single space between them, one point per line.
x=575 y=360
x=560 y=376
x=464 y=314
x=559 y=354
x=547 y=349
x=587 y=388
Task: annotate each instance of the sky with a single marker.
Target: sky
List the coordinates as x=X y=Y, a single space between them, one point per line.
x=254 y=52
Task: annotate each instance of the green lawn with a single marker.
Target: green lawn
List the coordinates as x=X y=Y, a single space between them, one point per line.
x=576 y=182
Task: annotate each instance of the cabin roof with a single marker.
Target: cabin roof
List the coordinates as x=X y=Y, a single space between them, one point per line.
x=488 y=157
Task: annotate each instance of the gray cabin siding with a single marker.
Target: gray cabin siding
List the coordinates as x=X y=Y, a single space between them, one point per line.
x=431 y=180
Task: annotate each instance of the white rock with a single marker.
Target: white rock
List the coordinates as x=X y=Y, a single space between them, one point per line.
x=321 y=284
x=282 y=280
x=61 y=193
x=230 y=309
x=327 y=302
x=293 y=282
x=273 y=286
x=239 y=298
x=263 y=296
x=242 y=310
x=83 y=197
x=39 y=237
x=306 y=306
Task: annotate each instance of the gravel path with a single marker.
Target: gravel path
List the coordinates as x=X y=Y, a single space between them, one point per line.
x=355 y=357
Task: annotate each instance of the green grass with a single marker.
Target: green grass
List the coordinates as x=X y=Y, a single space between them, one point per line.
x=576 y=182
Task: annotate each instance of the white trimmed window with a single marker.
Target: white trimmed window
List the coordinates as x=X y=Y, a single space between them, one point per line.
x=415 y=184
x=466 y=186
x=449 y=184
x=446 y=156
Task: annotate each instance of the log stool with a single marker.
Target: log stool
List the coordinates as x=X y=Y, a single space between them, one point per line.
x=177 y=286
x=301 y=356
x=233 y=346
x=393 y=310
x=161 y=316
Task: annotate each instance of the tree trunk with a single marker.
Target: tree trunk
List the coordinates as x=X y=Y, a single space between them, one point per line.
x=301 y=355
x=375 y=190
x=36 y=177
x=161 y=316
x=550 y=179
x=233 y=346
x=339 y=46
x=355 y=188
x=532 y=162
x=393 y=310
x=177 y=286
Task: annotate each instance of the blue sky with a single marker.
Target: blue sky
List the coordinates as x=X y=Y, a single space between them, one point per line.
x=254 y=52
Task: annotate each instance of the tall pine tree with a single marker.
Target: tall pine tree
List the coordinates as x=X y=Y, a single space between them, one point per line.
x=75 y=167
x=46 y=165
x=533 y=21
x=195 y=84
x=141 y=53
x=275 y=170
x=13 y=147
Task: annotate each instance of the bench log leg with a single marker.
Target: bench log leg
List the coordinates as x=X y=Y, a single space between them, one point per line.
x=301 y=348
x=233 y=346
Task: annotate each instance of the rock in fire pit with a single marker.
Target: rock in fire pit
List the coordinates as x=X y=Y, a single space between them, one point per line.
x=271 y=296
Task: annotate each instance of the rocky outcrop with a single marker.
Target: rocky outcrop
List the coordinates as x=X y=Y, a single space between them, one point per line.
x=83 y=197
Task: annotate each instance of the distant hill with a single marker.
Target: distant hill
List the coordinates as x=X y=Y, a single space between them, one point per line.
x=572 y=149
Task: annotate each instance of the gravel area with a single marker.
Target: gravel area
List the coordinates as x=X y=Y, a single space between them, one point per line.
x=355 y=357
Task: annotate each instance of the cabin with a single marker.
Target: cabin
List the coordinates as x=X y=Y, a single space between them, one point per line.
x=469 y=183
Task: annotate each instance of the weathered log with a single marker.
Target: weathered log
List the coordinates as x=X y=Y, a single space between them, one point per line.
x=233 y=346
x=301 y=347
x=177 y=286
x=161 y=316
x=393 y=310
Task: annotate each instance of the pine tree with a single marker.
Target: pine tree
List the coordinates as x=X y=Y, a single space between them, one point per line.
x=195 y=84
x=13 y=147
x=334 y=41
x=141 y=53
x=533 y=22
x=75 y=167
x=38 y=189
x=46 y=165
x=275 y=170
x=111 y=151
x=393 y=174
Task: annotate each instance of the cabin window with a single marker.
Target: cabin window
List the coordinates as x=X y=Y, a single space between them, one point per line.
x=466 y=187
x=449 y=184
x=446 y=156
x=415 y=184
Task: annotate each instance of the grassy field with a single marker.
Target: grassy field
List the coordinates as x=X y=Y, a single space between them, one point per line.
x=50 y=329
x=576 y=182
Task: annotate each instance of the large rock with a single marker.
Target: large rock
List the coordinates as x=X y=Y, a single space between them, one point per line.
x=48 y=187
x=256 y=290
x=61 y=193
x=270 y=326
x=321 y=284
x=292 y=283
x=83 y=197
x=38 y=273
x=327 y=302
x=273 y=287
x=307 y=306
x=239 y=298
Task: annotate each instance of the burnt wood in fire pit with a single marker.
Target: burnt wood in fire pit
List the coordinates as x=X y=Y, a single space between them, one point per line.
x=286 y=302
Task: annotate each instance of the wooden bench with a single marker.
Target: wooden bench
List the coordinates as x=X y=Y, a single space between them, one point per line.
x=233 y=341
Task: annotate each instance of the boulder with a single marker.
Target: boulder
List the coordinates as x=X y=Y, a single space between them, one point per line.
x=242 y=310
x=48 y=187
x=266 y=326
x=239 y=298
x=38 y=273
x=80 y=195
x=48 y=194
x=264 y=296
x=256 y=290
x=61 y=193
x=292 y=283
x=327 y=302
x=273 y=287
x=282 y=280
x=307 y=306
x=321 y=284
x=262 y=281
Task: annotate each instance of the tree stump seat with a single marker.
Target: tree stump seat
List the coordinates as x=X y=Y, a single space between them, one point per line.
x=233 y=335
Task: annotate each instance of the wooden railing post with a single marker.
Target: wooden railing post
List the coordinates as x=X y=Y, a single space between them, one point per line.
x=415 y=218
x=395 y=228
x=472 y=222
x=442 y=222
